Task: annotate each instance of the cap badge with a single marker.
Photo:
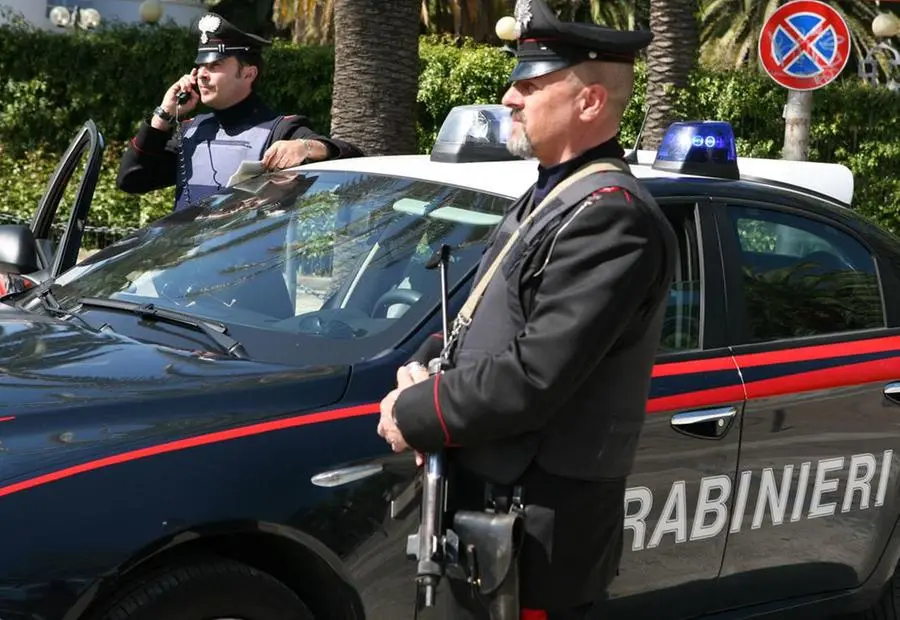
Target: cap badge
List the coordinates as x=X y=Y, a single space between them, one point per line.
x=523 y=15
x=208 y=24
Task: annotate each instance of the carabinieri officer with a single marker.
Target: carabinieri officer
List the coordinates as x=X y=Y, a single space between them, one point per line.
x=240 y=127
x=550 y=370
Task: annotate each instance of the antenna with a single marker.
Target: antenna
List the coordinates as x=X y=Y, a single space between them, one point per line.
x=631 y=158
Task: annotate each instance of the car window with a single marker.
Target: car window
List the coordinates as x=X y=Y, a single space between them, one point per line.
x=335 y=255
x=802 y=276
x=681 y=325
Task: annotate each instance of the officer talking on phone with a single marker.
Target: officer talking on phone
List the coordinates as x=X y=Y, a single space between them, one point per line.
x=200 y=155
x=543 y=399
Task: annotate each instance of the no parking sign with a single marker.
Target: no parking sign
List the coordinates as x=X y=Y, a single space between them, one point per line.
x=804 y=45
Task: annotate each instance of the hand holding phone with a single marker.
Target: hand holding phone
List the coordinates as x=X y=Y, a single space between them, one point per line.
x=180 y=100
x=183 y=93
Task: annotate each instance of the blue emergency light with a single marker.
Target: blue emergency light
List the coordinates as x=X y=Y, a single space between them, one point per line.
x=473 y=133
x=703 y=148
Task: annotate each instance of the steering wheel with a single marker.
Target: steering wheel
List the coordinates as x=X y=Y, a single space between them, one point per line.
x=315 y=323
x=406 y=296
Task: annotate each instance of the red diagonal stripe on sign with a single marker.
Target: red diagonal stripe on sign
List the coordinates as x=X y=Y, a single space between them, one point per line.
x=804 y=43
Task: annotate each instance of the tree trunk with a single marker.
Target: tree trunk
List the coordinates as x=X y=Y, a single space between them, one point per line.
x=376 y=74
x=670 y=59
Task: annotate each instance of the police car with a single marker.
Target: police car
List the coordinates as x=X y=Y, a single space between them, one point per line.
x=187 y=417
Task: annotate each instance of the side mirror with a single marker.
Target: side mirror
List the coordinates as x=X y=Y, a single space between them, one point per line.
x=18 y=250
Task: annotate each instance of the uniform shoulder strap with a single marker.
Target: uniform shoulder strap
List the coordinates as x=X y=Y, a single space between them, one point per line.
x=578 y=191
x=582 y=182
x=193 y=124
x=274 y=130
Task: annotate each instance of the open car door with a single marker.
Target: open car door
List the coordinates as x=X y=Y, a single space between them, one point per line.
x=54 y=256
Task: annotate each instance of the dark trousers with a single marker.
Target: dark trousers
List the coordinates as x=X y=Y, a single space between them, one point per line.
x=571 y=550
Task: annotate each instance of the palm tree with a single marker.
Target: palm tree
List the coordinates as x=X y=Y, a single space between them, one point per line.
x=621 y=14
x=376 y=74
x=310 y=21
x=464 y=18
x=671 y=57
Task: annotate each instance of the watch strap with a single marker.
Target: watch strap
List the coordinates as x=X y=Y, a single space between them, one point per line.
x=163 y=114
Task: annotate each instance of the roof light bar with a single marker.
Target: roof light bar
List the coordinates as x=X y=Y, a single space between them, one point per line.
x=703 y=148
x=473 y=133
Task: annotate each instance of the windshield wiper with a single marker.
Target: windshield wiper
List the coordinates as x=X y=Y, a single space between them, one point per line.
x=217 y=332
x=43 y=294
x=51 y=304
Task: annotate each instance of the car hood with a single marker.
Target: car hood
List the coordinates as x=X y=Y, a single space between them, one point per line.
x=65 y=390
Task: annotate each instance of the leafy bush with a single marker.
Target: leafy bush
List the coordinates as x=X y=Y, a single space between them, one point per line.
x=453 y=75
x=113 y=212
x=51 y=84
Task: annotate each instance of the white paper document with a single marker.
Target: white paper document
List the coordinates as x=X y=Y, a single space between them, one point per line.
x=248 y=169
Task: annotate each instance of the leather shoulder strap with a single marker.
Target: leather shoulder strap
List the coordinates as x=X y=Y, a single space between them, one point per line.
x=582 y=182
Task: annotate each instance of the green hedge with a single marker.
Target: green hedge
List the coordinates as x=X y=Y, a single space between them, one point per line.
x=51 y=84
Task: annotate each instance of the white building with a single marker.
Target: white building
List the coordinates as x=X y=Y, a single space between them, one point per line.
x=38 y=12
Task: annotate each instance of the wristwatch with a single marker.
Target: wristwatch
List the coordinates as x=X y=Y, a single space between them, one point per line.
x=161 y=112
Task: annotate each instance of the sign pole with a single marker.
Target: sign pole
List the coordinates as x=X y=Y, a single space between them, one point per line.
x=803 y=45
x=797 y=115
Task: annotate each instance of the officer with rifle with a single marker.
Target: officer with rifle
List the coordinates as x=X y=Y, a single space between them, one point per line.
x=531 y=423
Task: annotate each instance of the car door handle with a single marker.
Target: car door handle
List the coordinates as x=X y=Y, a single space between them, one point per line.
x=346 y=475
x=892 y=392
x=705 y=423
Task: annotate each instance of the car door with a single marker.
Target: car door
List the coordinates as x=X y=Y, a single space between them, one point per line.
x=679 y=493
x=818 y=440
x=57 y=244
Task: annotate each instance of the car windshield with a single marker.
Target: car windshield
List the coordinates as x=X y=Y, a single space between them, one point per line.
x=333 y=254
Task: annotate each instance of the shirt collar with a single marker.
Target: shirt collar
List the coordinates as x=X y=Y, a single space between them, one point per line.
x=250 y=107
x=549 y=177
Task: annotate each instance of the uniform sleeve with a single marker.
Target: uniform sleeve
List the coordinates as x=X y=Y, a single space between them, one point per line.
x=298 y=126
x=428 y=350
x=605 y=260
x=149 y=161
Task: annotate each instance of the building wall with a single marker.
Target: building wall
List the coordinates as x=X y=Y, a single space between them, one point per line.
x=181 y=12
x=34 y=11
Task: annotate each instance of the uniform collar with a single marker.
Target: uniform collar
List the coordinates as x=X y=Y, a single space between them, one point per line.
x=249 y=108
x=549 y=177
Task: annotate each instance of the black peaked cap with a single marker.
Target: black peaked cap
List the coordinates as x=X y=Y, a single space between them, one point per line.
x=546 y=44
x=219 y=39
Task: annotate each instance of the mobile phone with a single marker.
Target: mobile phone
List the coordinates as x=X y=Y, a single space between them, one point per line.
x=183 y=97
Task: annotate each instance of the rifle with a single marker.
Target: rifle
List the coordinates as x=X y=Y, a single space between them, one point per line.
x=482 y=547
x=429 y=545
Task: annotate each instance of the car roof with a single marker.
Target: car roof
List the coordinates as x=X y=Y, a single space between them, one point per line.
x=511 y=178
